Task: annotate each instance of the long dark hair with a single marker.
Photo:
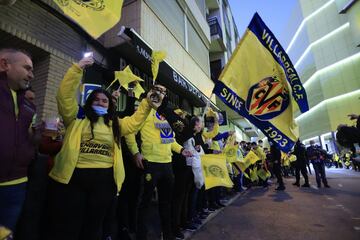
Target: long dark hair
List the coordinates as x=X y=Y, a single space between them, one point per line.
x=111 y=114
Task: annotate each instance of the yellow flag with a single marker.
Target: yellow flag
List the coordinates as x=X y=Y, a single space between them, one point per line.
x=138 y=90
x=246 y=175
x=251 y=157
x=292 y=158
x=95 y=16
x=215 y=171
x=231 y=150
x=125 y=77
x=253 y=175
x=245 y=162
x=5 y=233
x=231 y=153
x=156 y=58
x=260 y=83
x=263 y=174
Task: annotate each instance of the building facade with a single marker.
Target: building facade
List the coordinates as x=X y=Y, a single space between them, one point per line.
x=224 y=39
x=323 y=44
x=56 y=42
x=182 y=28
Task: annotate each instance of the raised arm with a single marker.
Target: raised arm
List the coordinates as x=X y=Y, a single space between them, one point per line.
x=66 y=96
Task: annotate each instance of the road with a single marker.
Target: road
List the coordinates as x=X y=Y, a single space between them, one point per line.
x=296 y=213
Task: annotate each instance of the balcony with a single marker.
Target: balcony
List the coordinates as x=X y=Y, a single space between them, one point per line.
x=217 y=42
x=212 y=4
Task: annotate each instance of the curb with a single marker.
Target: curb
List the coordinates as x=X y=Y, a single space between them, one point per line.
x=189 y=234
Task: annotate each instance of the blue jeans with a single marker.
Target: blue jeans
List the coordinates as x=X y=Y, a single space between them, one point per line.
x=11 y=202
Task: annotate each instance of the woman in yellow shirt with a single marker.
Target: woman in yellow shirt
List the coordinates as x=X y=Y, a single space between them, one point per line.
x=88 y=171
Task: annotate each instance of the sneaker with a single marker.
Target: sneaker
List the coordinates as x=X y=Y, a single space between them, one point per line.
x=197 y=221
x=205 y=211
x=296 y=184
x=305 y=185
x=211 y=210
x=280 y=188
x=214 y=206
x=191 y=227
x=203 y=216
x=179 y=235
x=327 y=186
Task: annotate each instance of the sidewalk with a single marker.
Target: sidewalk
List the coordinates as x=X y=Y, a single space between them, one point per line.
x=189 y=234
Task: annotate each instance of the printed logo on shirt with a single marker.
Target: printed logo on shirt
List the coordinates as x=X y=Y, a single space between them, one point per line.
x=148 y=177
x=95 y=148
x=166 y=135
x=179 y=126
x=160 y=121
x=158 y=116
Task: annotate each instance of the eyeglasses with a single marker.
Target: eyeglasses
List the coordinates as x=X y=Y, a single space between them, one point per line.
x=159 y=89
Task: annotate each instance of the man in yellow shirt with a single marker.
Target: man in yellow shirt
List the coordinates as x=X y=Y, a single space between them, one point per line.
x=16 y=149
x=157 y=144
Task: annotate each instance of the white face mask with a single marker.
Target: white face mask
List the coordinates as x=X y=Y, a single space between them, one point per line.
x=101 y=111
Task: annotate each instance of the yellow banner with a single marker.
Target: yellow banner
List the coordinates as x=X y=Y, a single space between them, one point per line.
x=95 y=16
x=215 y=171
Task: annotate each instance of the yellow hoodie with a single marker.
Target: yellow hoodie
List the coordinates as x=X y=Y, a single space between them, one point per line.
x=157 y=140
x=67 y=158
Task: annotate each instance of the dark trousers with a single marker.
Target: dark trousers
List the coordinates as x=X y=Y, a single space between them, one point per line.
x=11 y=202
x=76 y=211
x=195 y=202
x=189 y=196
x=277 y=172
x=179 y=200
x=30 y=222
x=320 y=173
x=128 y=199
x=159 y=175
x=301 y=168
x=308 y=165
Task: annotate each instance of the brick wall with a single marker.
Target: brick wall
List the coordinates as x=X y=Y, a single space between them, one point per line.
x=36 y=27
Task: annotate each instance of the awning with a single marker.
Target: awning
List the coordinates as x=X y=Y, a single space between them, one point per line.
x=138 y=53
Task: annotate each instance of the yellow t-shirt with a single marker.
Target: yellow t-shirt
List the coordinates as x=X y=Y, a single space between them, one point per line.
x=99 y=151
x=24 y=179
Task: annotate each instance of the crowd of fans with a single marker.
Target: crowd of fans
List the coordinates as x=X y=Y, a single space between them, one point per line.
x=95 y=175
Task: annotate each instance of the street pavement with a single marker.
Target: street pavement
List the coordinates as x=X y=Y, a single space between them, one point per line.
x=296 y=213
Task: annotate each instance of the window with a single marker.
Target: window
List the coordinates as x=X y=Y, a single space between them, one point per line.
x=171 y=15
x=197 y=49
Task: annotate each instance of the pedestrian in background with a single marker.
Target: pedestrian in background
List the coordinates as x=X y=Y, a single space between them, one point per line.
x=316 y=157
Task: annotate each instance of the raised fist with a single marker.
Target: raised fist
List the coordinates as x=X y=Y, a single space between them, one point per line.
x=86 y=62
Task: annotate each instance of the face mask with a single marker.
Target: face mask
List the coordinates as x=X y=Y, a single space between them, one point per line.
x=101 y=111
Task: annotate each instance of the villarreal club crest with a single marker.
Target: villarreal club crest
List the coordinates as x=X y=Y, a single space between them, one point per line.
x=267 y=99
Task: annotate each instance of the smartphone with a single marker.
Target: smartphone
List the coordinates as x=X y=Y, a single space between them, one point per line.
x=88 y=54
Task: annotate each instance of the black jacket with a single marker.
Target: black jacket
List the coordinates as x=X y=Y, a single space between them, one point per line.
x=300 y=153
